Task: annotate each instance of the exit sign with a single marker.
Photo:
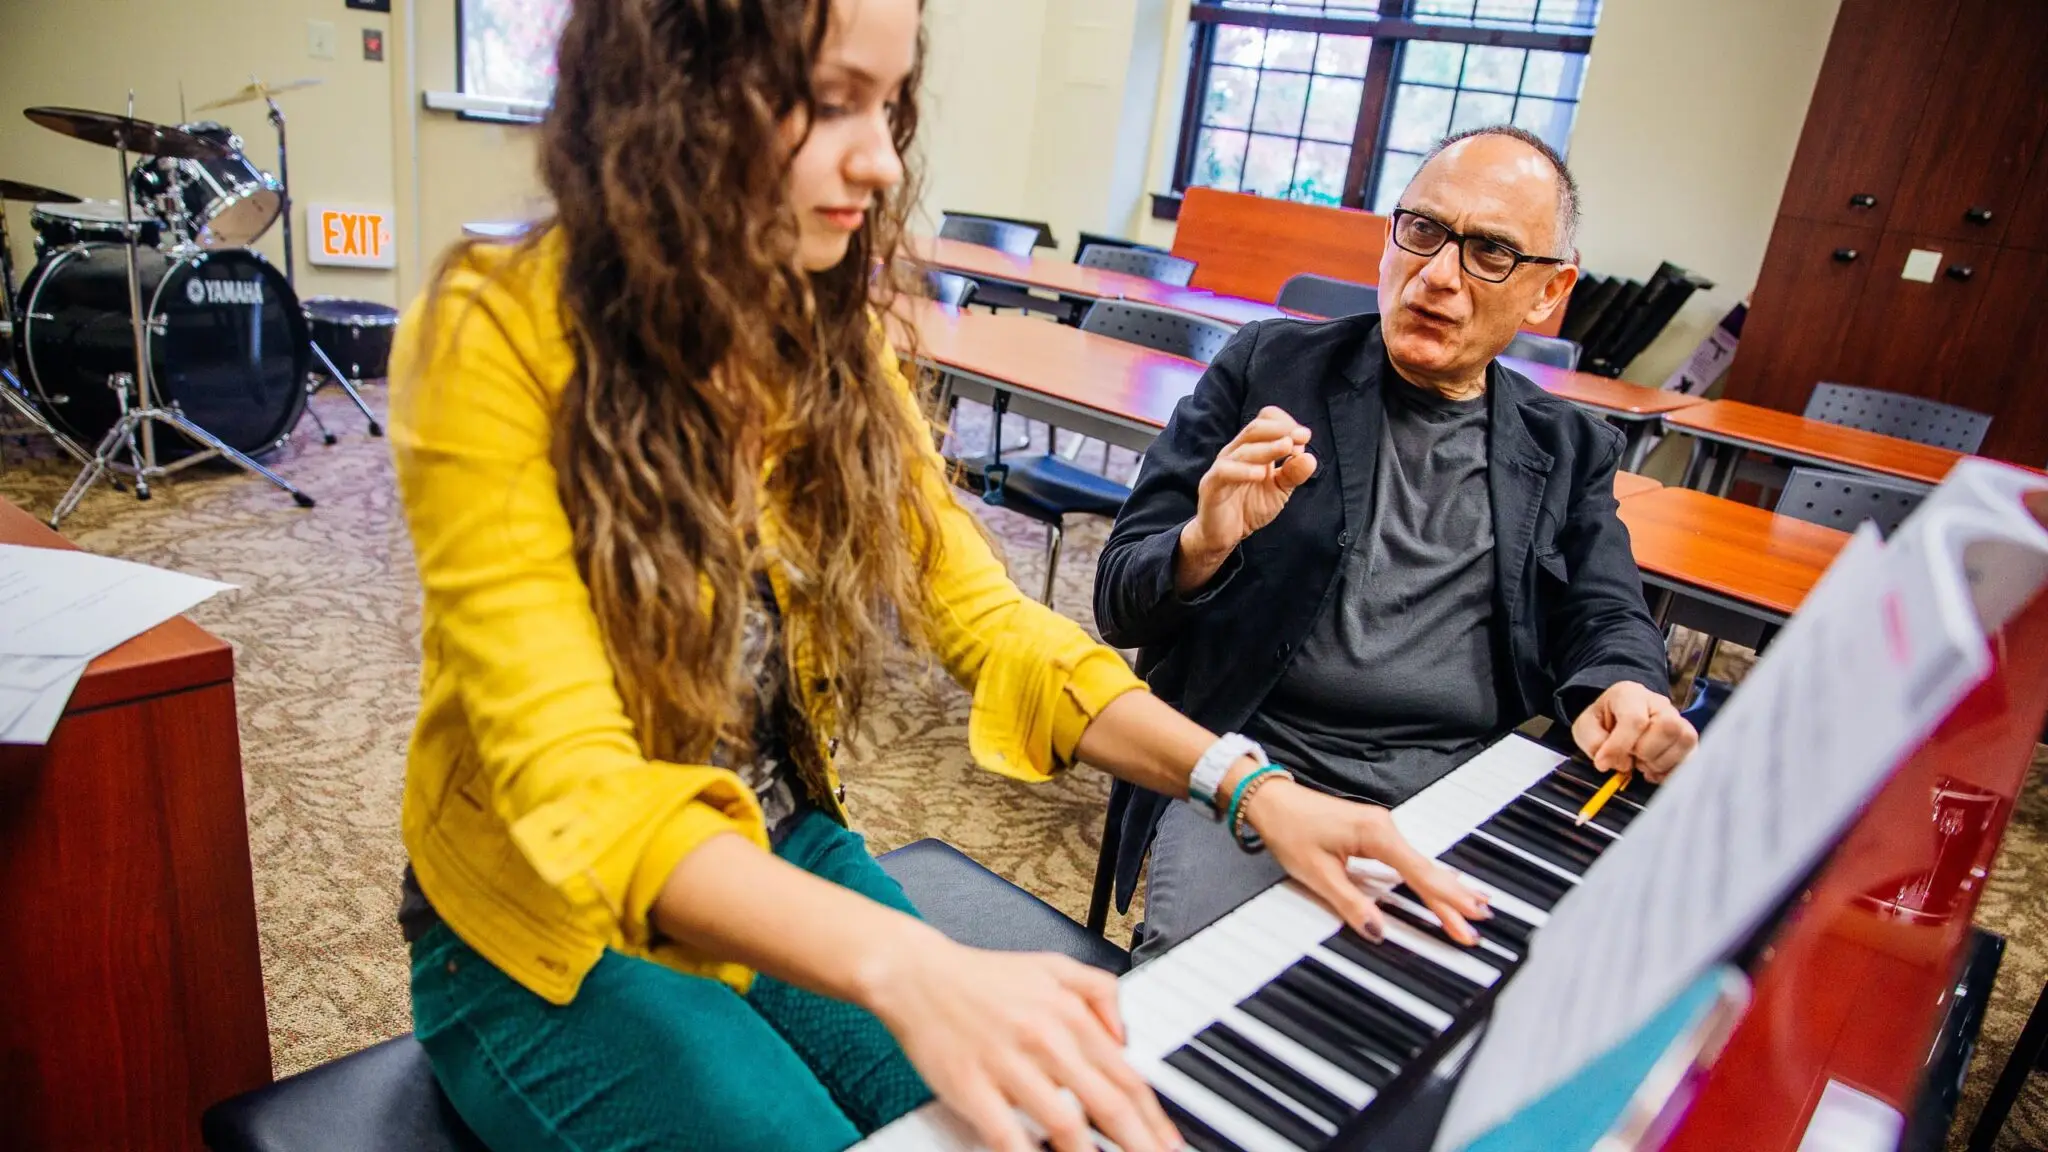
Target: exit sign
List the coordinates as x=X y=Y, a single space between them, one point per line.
x=350 y=237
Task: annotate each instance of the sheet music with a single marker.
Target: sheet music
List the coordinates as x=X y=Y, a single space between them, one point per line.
x=58 y=610
x=1878 y=655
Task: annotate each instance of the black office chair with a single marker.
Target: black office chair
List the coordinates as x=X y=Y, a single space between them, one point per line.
x=1552 y=350
x=1328 y=296
x=1087 y=240
x=1048 y=488
x=1043 y=231
x=1838 y=500
x=1001 y=235
x=1161 y=266
x=1896 y=414
x=385 y=1097
x=949 y=288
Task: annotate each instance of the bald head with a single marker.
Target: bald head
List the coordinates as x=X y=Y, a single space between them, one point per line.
x=1497 y=143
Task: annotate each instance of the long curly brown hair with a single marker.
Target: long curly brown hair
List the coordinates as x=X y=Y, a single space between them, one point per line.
x=702 y=348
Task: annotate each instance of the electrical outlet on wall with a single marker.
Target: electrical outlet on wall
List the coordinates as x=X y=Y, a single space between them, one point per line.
x=320 y=39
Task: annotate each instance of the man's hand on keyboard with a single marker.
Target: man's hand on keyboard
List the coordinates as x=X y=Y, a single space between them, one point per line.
x=997 y=1033
x=1314 y=835
x=1631 y=728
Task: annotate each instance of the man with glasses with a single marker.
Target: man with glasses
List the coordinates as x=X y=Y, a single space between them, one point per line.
x=1373 y=549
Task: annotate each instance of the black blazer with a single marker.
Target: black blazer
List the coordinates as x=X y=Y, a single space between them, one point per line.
x=1566 y=587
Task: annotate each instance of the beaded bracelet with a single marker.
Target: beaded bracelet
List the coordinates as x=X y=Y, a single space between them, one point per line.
x=1241 y=830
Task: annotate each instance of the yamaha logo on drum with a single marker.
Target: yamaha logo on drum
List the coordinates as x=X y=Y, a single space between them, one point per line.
x=248 y=292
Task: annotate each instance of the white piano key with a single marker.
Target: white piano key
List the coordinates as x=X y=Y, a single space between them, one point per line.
x=1571 y=878
x=1424 y=1013
x=1506 y=902
x=1226 y=1118
x=1442 y=955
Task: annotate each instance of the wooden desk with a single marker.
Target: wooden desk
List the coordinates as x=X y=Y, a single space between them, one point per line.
x=1095 y=385
x=1195 y=301
x=134 y=986
x=1741 y=560
x=1076 y=286
x=1627 y=484
x=1634 y=408
x=1722 y=430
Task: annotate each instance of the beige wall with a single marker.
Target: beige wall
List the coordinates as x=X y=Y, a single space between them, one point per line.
x=1690 y=115
x=88 y=53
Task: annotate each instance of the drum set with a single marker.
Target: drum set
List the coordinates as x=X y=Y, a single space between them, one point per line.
x=154 y=312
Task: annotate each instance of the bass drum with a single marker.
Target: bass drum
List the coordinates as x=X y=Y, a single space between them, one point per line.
x=228 y=347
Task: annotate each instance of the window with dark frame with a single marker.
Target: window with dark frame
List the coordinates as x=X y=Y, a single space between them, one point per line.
x=506 y=48
x=1336 y=101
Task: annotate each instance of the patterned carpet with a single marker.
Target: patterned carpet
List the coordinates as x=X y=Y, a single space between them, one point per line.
x=325 y=625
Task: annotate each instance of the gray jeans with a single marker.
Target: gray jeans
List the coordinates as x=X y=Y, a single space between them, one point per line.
x=1198 y=874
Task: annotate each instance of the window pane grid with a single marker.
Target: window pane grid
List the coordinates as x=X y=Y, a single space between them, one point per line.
x=508 y=47
x=1280 y=112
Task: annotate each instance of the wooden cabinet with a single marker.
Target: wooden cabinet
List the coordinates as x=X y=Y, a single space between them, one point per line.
x=1873 y=83
x=1928 y=130
x=1984 y=118
x=1813 y=276
x=2001 y=370
x=1908 y=335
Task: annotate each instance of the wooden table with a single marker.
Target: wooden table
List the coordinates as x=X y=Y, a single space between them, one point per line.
x=1229 y=309
x=1078 y=286
x=1722 y=430
x=1095 y=385
x=1636 y=409
x=1627 y=484
x=1733 y=568
x=134 y=990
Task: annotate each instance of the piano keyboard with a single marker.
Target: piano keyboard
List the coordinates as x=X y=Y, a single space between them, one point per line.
x=1277 y=1026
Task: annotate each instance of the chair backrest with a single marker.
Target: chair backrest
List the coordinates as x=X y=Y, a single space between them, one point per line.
x=1842 y=501
x=1001 y=235
x=948 y=287
x=1087 y=240
x=1160 y=329
x=1161 y=266
x=1895 y=414
x=1328 y=296
x=1555 y=351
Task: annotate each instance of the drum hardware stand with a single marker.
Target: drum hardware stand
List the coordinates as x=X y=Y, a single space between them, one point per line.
x=11 y=391
x=284 y=194
x=145 y=415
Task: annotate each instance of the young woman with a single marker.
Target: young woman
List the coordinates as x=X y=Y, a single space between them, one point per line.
x=673 y=506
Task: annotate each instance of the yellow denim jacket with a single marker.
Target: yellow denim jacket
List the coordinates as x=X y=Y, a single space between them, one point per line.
x=538 y=829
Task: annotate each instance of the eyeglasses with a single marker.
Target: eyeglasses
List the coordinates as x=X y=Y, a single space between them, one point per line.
x=1488 y=260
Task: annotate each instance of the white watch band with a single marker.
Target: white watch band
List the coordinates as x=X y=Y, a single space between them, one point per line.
x=1209 y=771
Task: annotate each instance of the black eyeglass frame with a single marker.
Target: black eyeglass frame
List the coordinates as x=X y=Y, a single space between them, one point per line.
x=1465 y=256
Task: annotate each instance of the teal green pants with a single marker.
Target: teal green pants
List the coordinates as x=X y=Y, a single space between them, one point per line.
x=646 y=1057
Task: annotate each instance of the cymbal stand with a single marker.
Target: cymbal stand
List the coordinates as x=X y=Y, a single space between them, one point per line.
x=14 y=396
x=284 y=195
x=144 y=415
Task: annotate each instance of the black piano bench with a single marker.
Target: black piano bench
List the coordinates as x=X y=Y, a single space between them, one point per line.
x=385 y=1097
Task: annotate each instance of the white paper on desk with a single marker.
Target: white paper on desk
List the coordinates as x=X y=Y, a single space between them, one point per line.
x=55 y=602
x=1881 y=651
x=35 y=723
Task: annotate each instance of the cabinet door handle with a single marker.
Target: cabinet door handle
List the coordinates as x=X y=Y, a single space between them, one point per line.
x=1863 y=200
x=1977 y=215
x=1960 y=271
x=1845 y=255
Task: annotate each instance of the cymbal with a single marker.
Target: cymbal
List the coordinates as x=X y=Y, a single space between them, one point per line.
x=257 y=90
x=34 y=193
x=139 y=136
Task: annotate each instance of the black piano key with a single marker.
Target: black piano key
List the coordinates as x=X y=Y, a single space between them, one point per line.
x=1504 y=929
x=1199 y=1136
x=1506 y=871
x=1635 y=795
x=1277 y=1073
x=1198 y=1066
x=1435 y=931
x=1589 y=837
x=1314 y=1034
x=1538 y=844
x=1564 y=794
x=1388 y=1029
x=1318 y=1010
x=1421 y=978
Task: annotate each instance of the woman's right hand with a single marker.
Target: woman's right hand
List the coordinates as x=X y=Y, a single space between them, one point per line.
x=994 y=1033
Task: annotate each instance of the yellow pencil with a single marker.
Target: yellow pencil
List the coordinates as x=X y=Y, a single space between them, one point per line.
x=1615 y=783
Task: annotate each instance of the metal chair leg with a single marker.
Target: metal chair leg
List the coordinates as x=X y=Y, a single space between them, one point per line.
x=1105 y=858
x=1055 y=535
x=2025 y=1056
